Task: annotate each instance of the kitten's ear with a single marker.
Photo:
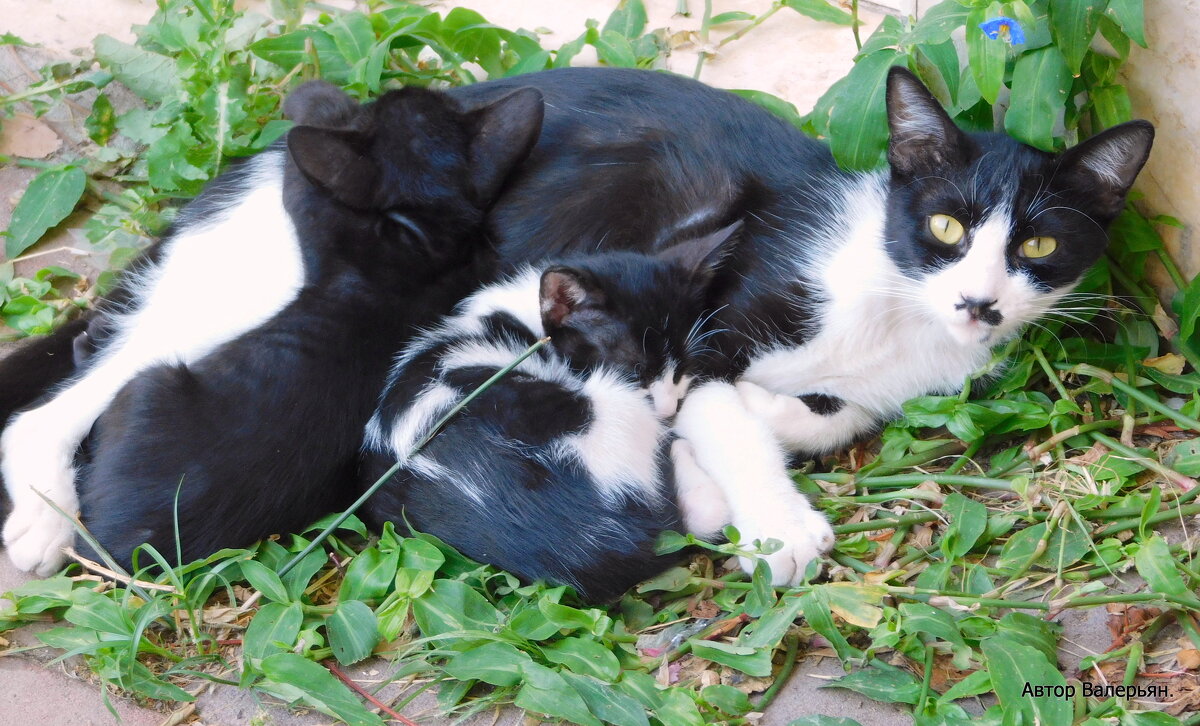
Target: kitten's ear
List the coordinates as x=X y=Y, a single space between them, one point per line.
x=337 y=161
x=1107 y=164
x=565 y=291
x=703 y=256
x=317 y=103
x=924 y=138
x=503 y=132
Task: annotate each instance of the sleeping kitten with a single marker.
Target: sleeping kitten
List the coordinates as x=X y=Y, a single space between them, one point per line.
x=365 y=223
x=557 y=471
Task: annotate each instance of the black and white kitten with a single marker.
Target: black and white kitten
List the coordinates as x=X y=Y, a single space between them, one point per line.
x=559 y=470
x=366 y=222
x=855 y=292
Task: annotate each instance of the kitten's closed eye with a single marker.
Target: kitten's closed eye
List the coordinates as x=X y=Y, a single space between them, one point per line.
x=403 y=220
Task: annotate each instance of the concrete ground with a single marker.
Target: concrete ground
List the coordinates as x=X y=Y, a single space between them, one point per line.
x=791 y=56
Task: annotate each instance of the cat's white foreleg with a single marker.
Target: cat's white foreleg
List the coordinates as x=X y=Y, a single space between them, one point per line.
x=703 y=505
x=740 y=452
x=800 y=427
x=38 y=450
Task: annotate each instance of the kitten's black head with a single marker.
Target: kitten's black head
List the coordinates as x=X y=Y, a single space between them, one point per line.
x=411 y=167
x=629 y=311
x=991 y=231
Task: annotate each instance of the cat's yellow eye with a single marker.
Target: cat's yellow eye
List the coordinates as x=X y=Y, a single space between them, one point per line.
x=1036 y=247
x=946 y=228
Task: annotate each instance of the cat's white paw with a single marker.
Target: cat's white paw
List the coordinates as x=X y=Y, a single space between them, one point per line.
x=34 y=538
x=701 y=502
x=758 y=400
x=805 y=534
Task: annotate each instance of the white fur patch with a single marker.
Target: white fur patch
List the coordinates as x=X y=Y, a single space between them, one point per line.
x=620 y=446
x=170 y=323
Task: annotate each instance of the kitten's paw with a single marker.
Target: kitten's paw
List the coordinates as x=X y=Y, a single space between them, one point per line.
x=702 y=503
x=806 y=535
x=34 y=537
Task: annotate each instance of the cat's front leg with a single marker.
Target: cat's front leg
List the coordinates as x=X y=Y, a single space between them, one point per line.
x=810 y=424
x=740 y=453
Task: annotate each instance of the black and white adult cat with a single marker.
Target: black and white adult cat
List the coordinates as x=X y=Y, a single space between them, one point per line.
x=852 y=292
x=558 y=471
x=373 y=216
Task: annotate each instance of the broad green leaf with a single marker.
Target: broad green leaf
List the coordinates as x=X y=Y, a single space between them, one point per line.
x=451 y=605
x=273 y=630
x=858 y=129
x=37 y=596
x=968 y=521
x=49 y=198
x=1031 y=631
x=614 y=50
x=292 y=49
x=922 y=619
x=1156 y=565
x=1012 y=666
x=421 y=555
x=629 y=19
x=986 y=55
x=496 y=663
x=1040 y=86
x=1074 y=23
x=353 y=631
x=772 y=103
x=584 y=656
x=153 y=77
x=678 y=709
x=882 y=683
x=370 y=575
x=296 y=580
x=817 y=613
x=769 y=629
x=606 y=702
x=1128 y=14
x=547 y=692
x=1111 y=104
x=939 y=22
x=352 y=34
x=264 y=579
x=95 y=611
x=726 y=698
x=730 y=17
x=317 y=687
x=761 y=594
x=138 y=678
x=820 y=10
x=567 y=618
x=974 y=684
x=856 y=603
x=751 y=661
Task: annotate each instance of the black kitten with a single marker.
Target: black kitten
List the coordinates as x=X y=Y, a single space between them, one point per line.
x=262 y=434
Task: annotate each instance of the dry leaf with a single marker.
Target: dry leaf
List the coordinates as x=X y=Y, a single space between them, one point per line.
x=1171 y=363
x=24 y=135
x=1188 y=658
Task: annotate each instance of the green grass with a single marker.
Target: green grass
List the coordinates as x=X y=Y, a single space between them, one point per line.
x=963 y=528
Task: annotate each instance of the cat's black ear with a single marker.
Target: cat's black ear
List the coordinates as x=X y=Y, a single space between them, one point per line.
x=564 y=292
x=703 y=256
x=923 y=137
x=503 y=133
x=1107 y=164
x=317 y=103
x=337 y=161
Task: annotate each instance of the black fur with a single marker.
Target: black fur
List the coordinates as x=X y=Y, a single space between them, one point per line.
x=262 y=435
